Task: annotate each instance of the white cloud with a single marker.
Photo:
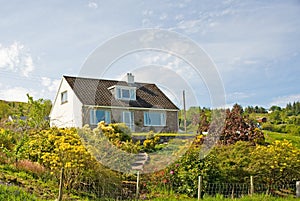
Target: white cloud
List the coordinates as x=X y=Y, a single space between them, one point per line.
x=238 y=96
x=29 y=67
x=189 y=26
x=16 y=94
x=283 y=100
x=16 y=58
x=92 y=4
x=51 y=85
x=46 y=81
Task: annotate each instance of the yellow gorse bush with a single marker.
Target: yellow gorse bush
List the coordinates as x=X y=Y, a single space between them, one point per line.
x=277 y=162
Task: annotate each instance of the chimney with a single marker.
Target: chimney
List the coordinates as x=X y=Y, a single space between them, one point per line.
x=130 y=78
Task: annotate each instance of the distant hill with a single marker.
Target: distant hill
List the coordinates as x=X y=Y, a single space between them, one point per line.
x=12 y=108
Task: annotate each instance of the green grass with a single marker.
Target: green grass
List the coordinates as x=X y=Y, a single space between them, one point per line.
x=272 y=136
x=14 y=193
x=221 y=198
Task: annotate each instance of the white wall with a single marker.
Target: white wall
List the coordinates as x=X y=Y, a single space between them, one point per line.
x=67 y=114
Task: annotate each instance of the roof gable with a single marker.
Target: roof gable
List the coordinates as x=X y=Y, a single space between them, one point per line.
x=92 y=91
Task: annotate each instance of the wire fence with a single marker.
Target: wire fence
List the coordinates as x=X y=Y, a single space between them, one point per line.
x=131 y=190
x=237 y=190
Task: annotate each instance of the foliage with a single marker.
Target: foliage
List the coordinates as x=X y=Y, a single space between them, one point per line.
x=203 y=124
x=256 y=109
x=38 y=111
x=238 y=128
x=16 y=194
x=193 y=117
x=4 y=109
x=272 y=136
x=293 y=109
x=58 y=148
x=150 y=142
x=119 y=134
x=107 y=146
x=8 y=139
x=291 y=129
x=276 y=163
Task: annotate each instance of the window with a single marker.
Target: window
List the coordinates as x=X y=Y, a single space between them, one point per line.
x=125 y=93
x=154 y=119
x=128 y=119
x=99 y=115
x=64 y=97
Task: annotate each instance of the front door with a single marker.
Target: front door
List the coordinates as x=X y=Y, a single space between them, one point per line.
x=128 y=119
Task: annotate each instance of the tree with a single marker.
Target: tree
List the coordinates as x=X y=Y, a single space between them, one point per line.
x=4 y=110
x=203 y=125
x=237 y=128
x=275 y=108
x=38 y=112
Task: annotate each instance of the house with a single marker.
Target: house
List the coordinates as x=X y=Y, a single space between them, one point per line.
x=141 y=106
x=262 y=120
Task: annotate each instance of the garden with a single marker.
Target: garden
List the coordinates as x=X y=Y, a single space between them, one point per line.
x=42 y=163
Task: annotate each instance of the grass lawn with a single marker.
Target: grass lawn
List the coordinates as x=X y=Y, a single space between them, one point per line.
x=272 y=136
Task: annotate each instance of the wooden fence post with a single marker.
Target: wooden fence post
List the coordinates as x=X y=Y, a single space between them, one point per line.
x=298 y=189
x=199 y=187
x=137 y=185
x=251 y=186
x=61 y=183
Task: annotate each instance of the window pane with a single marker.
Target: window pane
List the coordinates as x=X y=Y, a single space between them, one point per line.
x=99 y=115
x=107 y=117
x=125 y=93
x=64 y=97
x=132 y=94
x=119 y=95
x=92 y=117
x=154 y=119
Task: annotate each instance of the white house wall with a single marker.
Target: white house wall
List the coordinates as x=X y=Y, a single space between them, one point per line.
x=66 y=114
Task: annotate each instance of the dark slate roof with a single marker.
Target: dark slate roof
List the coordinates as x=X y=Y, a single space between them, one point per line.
x=92 y=91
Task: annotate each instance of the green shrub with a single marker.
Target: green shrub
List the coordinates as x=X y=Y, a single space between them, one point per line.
x=292 y=129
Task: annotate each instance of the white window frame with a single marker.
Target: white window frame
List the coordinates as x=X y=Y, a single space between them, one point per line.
x=64 y=97
x=120 y=94
x=130 y=114
x=93 y=117
x=147 y=118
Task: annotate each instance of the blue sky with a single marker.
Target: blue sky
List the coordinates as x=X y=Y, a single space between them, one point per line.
x=255 y=45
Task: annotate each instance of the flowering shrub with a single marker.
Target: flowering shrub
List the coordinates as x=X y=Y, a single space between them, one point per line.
x=58 y=148
x=276 y=163
x=150 y=142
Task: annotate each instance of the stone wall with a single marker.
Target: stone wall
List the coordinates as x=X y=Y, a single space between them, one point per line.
x=116 y=116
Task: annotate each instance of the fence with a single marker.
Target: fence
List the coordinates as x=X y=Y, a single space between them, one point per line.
x=237 y=190
x=131 y=190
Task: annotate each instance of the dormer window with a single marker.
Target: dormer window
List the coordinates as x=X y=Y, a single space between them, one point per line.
x=125 y=93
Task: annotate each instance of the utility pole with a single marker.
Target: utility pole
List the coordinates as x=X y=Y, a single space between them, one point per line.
x=184 y=111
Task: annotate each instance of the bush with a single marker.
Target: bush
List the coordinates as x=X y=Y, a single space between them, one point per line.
x=293 y=129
